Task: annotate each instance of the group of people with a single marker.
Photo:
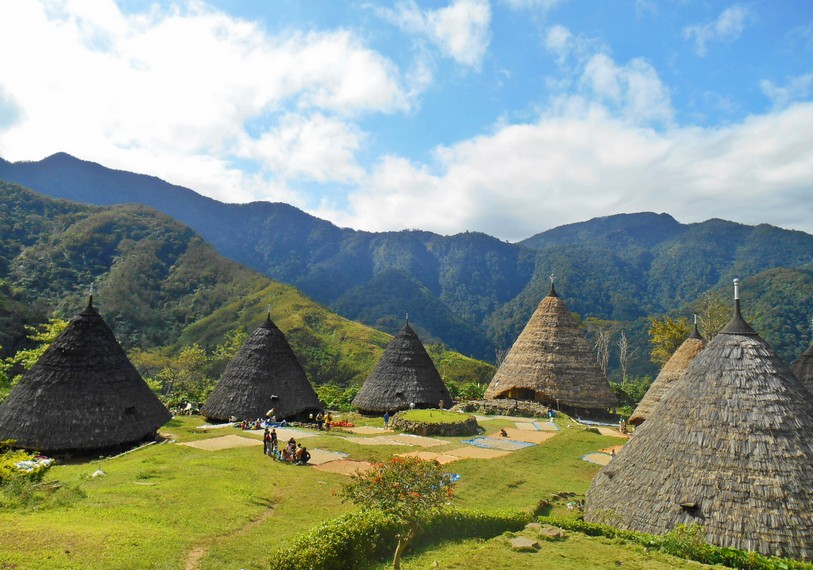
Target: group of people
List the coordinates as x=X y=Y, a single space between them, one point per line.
x=293 y=452
x=323 y=421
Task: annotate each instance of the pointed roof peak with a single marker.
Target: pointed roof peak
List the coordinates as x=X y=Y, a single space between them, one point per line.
x=737 y=324
x=552 y=292
x=696 y=333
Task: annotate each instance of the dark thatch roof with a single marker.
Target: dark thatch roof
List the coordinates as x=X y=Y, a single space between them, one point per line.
x=405 y=374
x=552 y=360
x=264 y=375
x=671 y=371
x=83 y=394
x=802 y=368
x=729 y=447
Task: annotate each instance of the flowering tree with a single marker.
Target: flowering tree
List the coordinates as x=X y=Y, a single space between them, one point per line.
x=406 y=488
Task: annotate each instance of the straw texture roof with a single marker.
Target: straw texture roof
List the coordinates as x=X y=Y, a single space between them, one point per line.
x=671 y=371
x=802 y=368
x=553 y=358
x=405 y=374
x=728 y=447
x=82 y=394
x=263 y=375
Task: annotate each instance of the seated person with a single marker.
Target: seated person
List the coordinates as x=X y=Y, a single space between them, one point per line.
x=304 y=456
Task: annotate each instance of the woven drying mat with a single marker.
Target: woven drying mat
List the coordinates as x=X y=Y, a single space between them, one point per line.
x=597 y=458
x=321 y=456
x=441 y=458
x=223 y=442
x=344 y=466
x=380 y=440
x=507 y=418
x=471 y=452
x=418 y=440
x=612 y=432
x=525 y=435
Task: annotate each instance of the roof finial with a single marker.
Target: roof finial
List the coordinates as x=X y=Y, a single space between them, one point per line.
x=268 y=311
x=696 y=332
x=407 y=318
x=90 y=297
x=552 y=292
x=737 y=325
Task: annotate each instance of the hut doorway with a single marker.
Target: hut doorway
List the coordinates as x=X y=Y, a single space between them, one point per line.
x=526 y=394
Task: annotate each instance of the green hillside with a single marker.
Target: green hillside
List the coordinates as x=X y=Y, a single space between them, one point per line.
x=159 y=284
x=469 y=291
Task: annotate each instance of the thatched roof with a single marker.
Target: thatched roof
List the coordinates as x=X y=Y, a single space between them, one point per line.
x=671 y=371
x=405 y=374
x=729 y=447
x=802 y=368
x=82 y=394
x=265 y=374
x=552 y=360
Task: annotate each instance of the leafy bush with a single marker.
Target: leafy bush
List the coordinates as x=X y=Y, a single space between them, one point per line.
x=357 y=539
x=687 y=542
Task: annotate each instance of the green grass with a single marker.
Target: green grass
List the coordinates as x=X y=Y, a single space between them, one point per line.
x=433 y=416
x=168 y=504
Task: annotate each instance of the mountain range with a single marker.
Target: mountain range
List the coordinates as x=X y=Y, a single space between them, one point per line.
x=472 y=291
x=158 y=284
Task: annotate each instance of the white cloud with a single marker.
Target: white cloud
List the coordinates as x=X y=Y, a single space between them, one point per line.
x=727 y=27
x=460 y=30
x=582 y=163
x=796 y=89
x=179 y=85
x=632 y=91
x=313 y=148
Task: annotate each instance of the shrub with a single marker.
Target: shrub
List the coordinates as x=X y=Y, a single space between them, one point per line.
x=685 y=541
x=355 y=540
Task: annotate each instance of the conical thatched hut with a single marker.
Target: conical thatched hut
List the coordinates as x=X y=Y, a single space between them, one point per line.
x=729 y=447
x=802 y=368
x=83 y=394
x=264 y=375
x=404 y=375
x=551 y=361
x=671 y=371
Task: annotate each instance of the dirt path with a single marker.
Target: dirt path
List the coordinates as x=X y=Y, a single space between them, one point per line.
x=197 y=553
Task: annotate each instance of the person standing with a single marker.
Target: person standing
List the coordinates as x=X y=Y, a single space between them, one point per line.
x=266 y=441
x=274 y=443
x=386 y=420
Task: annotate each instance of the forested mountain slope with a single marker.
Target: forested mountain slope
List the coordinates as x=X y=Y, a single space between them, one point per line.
x=156 y=282
x=472 y=291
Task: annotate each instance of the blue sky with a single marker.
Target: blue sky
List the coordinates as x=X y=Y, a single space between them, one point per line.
x=508 y=117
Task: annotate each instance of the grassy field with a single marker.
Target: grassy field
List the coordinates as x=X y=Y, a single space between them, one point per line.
x=433 y=416
x=173 y=506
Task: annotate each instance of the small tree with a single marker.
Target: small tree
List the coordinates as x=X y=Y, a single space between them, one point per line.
x=406 y=488
x=666 y=335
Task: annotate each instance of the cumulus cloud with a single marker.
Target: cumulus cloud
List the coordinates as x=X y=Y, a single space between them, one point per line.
x=632 y=90
x=727 y=27
x=179 y=86
x=526 y=178
x=460 y=30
